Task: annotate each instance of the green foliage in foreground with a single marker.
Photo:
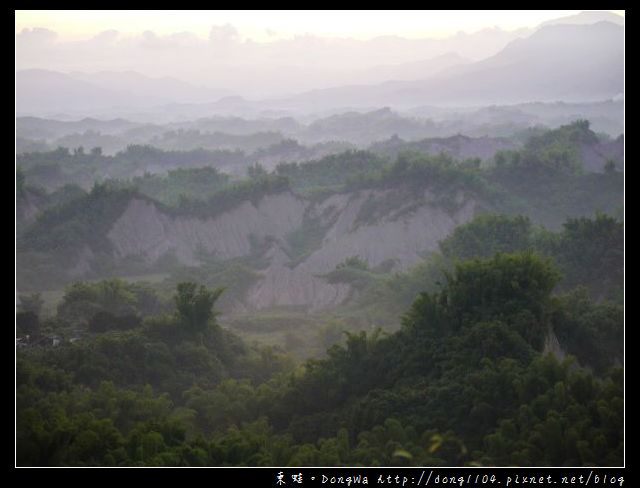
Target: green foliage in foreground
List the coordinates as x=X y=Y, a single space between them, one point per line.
x=112 y=298
x=465 y=381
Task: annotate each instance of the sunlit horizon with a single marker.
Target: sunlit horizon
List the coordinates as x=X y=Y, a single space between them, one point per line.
x=266 y=26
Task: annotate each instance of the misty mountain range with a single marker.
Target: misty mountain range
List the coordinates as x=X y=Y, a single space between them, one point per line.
x=586 y=65
x=43 y=90
x=569 y=61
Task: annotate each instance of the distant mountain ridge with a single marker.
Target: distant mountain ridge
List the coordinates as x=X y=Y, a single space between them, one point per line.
x=164 y=88
x=588 y=17
x=42 y=91
x=572 y=63
x=576 y=61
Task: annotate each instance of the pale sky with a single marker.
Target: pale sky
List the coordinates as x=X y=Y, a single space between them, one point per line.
x=291 y=51
x=269 y=25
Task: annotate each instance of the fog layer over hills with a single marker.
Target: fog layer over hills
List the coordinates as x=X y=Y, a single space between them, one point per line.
x=577 y=61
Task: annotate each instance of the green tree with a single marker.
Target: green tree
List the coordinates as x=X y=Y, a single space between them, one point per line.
x=194 y=305
x=31 y=303
x=592 y=253
x=508 y=287
x=27 y=323
x=486 y=235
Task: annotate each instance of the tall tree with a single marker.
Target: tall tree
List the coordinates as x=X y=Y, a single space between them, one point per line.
x=31 y=303
x=194 y=305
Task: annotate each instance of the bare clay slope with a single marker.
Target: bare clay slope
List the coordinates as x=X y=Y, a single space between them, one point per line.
x=145 y=231
x=407 y=227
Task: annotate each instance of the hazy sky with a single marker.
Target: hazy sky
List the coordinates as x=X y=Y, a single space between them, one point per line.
x=268 y=53
x=272 y=25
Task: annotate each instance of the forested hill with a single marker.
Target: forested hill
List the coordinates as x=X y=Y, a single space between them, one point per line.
x=284 y=231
